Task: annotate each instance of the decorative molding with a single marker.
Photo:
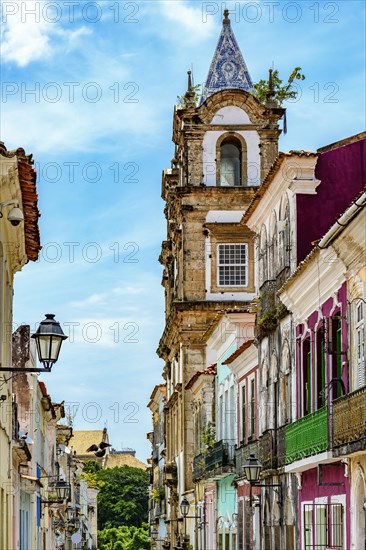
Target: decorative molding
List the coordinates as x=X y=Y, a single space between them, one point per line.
x=304 y=186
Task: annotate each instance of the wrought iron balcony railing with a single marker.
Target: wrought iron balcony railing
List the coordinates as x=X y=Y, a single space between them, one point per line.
x=281 y=446
x=265 y=449
x=221 y=458
x=307 y=436
x=268 y=450
x=199 y=466
x=349 y=418
x=242 y=454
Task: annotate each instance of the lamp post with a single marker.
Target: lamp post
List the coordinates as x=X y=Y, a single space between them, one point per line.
x=252 y=469
x=154 y=533
x=184 y=509
x=49 y=337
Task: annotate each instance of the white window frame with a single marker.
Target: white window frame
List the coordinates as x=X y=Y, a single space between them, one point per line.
x=245 y=265
x=251 y=420
x=360 y=344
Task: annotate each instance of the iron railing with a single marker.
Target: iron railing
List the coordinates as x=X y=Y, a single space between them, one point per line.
x=267 y=450
x=281 y=446
x=199 y=466
x=242 y=455
x=349 y=418
x=222 y=456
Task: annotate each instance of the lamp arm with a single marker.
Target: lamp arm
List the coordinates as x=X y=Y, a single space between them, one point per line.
x=21 y=369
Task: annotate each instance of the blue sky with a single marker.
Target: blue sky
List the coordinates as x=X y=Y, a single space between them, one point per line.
x=105 y=76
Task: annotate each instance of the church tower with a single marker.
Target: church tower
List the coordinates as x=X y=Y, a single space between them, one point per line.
x=223 y=149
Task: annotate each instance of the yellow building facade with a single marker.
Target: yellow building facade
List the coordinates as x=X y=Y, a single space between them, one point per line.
x=19 y=243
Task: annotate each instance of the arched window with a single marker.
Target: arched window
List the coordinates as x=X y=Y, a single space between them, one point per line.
x=230 y=163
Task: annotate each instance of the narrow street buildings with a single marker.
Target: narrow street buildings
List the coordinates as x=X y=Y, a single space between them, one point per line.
x=264 y=272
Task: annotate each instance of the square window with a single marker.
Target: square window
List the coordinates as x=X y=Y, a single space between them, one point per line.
x=232 y=264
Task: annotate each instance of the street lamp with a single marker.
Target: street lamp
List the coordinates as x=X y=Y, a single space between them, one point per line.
x=184 y=507
x=252 y=468
x=49 y=337
x=69 y=512
x=76 y=521
x=63 y=490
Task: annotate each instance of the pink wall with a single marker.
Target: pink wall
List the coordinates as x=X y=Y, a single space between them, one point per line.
x=331 y=473
x=342 y=174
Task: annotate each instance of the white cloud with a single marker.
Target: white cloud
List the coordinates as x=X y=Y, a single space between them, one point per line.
x=24 y=42
x=91 y=300
x=190 y=20
x=29 y=30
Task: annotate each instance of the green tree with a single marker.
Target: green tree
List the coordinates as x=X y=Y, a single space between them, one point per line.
x=123 y=496
x=124 y=538
x=91 y=467
x=282 y=92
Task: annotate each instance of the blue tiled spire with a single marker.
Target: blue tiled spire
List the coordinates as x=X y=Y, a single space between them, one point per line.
x=228 y=68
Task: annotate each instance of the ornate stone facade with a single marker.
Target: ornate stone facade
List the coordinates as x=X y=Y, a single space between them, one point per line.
x=208 y=255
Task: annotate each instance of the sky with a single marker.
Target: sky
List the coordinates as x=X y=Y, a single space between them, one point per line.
x=89 y=89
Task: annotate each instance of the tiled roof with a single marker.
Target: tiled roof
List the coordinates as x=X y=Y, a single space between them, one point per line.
x=269 y=177
x=228 y=69
x=342 y=142
x=43 y=388
x=27 y=180
x=238 y=352
x=210 y=370
x=83 y=439
x=116 y=460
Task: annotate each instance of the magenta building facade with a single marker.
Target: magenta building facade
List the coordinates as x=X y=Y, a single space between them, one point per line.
x=322 y=377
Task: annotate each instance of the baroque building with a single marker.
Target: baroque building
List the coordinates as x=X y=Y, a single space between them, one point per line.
x=264 y=278
x=224 y=147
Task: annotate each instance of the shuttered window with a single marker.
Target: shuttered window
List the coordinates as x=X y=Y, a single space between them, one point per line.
x=360 y=345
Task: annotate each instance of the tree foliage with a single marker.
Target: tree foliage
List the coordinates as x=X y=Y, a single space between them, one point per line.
x=91 y=467
x=122 y=506
x=124 y=538
x=282 y=91
x=123 y=496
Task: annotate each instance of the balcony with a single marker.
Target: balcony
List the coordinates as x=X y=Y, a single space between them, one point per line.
x=349 y=422
x=242 y=455
x=267 y=450
x=199 y=467
x=171 y=474
x=221 y=459
x=281 y=447
x=307 y=436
